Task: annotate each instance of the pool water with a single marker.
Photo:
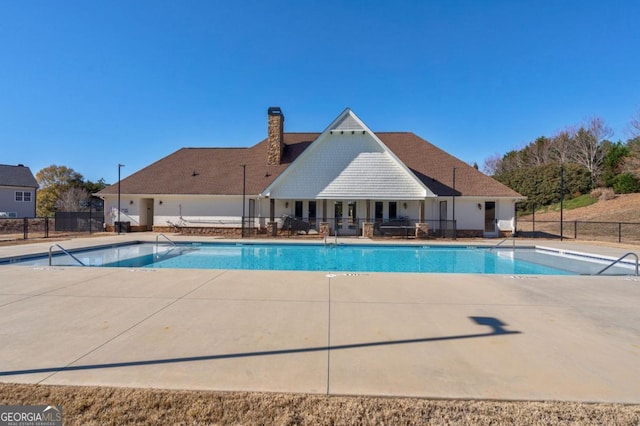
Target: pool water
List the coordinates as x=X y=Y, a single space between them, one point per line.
x=317 y=257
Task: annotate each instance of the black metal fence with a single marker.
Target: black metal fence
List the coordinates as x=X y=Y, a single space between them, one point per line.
x=618 y=232
x=45 y=227
x=25 y=228
x=400 y=227
x=79 y=221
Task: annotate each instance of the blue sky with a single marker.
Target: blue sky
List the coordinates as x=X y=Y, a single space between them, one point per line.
x=93 y=84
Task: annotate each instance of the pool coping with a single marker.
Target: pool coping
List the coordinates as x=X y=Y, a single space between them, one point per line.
x=517 y=245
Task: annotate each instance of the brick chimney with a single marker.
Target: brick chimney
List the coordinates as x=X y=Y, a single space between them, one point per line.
x=275 y=136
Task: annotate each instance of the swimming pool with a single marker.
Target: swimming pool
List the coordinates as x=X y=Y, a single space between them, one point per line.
x=340 y=258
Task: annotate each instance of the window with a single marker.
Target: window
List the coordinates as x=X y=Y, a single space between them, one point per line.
x=379 y=211
x=393 y=210
x=298 y=210
x=23 y=196
x=312 y=213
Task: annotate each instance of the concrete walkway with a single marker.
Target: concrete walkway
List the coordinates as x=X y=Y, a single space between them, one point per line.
x=571 y=338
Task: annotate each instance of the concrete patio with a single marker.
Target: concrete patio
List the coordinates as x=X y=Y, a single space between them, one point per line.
x=573 y=338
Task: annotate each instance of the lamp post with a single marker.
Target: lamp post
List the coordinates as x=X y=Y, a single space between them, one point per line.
x=118 y=223
x=454 y=205
x=561 y=202
x=244 y=188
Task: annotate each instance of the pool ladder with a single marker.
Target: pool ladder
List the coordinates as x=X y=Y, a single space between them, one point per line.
x=618 y=261
x=513 y=240
x=335 y=242
x=65 y=252
x=166 y=238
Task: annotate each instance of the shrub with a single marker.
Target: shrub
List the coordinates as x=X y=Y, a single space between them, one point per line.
x=626 y=183
x=603 y=194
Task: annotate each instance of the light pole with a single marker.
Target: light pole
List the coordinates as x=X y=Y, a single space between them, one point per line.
x=118 y=223
x=454 y=205
x=244 y=188
x=561 y=202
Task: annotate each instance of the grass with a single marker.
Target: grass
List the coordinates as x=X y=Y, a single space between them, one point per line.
x=114 y=406
x=573 y=203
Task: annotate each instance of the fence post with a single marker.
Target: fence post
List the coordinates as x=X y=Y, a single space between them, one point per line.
x=46 y=227
x=25 y=228
x=534 y=221
x=619 y=232
x=575 y=229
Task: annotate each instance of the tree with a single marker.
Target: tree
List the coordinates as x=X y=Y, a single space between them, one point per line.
x=538 y=152
x=634 y=126
x=541 y=184
x=614 y=158
x=53 y=180
x=587 y=146
x=72 y=199
x=632 y=161
x=492 y=164
x=626 y=183
x=561 y=146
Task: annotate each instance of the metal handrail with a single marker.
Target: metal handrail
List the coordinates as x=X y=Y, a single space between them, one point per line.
x=166 y=238
x=512 y=238
x=618 y=260
x=335 y=240
x=65 y=252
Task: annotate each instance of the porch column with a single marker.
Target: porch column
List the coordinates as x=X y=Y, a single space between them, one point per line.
x=324 y=210
x=368 y=210
x=272 y=227
x=272 y=209
x=421 y=210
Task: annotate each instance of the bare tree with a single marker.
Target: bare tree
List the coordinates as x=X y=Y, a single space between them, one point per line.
x=634 y=126
x=492 y=164
x=72 y=199
x=562 y=145
x=587 y=144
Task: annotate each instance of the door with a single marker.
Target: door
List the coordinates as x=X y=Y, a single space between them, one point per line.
x=490 y=228
x=337 y=215
x=443 y=218
x=352 y=218
x=146 y=207
x=346 y=217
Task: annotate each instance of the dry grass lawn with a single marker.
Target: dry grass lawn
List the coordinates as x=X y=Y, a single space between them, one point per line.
x=116 y=406
x=622 y=208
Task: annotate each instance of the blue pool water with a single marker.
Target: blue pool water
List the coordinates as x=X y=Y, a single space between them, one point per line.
x=313 y=257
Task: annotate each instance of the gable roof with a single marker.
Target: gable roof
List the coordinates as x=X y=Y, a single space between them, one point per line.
x=348 y=160
x=206 y=171
x=19 y=176
x=434 y=167
x=219 y=170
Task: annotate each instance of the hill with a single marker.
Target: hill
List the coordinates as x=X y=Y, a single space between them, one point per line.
x=622 y=208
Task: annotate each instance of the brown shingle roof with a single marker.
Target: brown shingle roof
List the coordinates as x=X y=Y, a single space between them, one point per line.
x=218 y=170
x=434 y=167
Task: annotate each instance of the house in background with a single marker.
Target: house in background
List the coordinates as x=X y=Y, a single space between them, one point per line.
x=347 y=180
x=17 y=191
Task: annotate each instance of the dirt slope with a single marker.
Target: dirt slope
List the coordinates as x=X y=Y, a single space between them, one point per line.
x=623 y=208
